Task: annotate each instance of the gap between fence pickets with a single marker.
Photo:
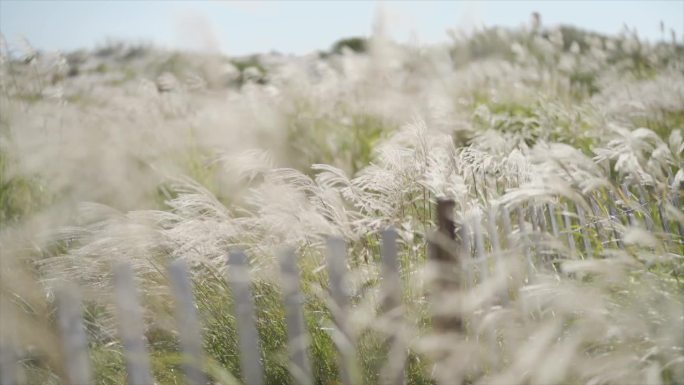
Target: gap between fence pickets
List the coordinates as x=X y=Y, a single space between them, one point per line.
x=645 y=212
x=612 y=212
x=187 y=323
x=596 y=212
x=583 y=230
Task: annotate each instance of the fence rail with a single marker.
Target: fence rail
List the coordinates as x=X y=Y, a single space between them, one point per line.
x=465 y=252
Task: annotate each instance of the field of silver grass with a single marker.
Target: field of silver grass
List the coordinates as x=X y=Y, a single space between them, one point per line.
x=132 y=153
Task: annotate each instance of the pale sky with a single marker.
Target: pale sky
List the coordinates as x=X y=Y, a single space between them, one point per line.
x=239 y=27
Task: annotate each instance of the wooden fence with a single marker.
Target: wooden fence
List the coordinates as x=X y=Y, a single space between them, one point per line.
x=464 y=251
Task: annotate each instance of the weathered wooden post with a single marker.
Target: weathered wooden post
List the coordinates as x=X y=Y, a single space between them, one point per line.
x=446 y=269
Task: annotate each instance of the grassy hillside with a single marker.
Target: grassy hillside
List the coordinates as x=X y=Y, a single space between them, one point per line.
x=128 y=152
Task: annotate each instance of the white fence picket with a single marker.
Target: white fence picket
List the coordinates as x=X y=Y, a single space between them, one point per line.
x=451 y=263
x=584 y=231
x=337 y=272
x=480 y=256
x=131 y=326
x=551 y=208
x=248 y=337
x=393 y=372
x=567 y=222
x=187 y=323
x=612 y=212
x=8 y=359
x=74 y=339
x=298 y=338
